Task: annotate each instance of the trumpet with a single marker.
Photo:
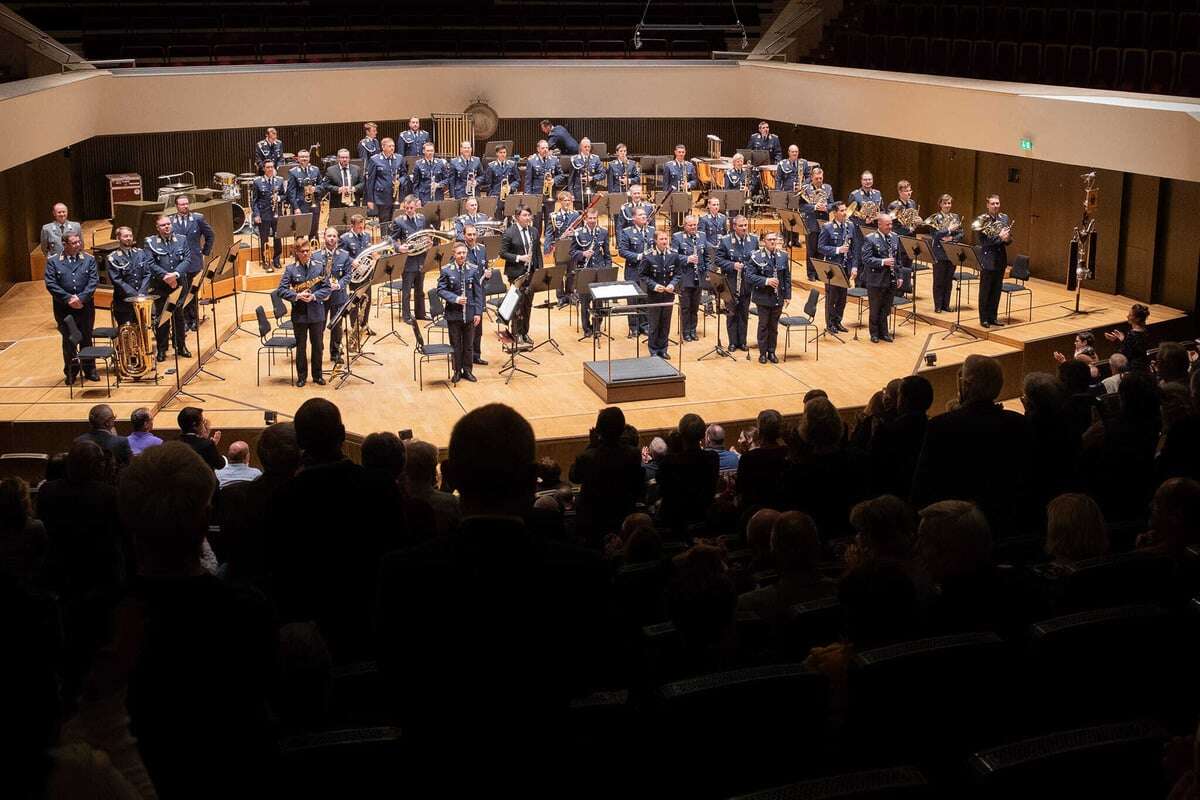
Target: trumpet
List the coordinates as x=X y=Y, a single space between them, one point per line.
x=987 y=226
x=274 y=199
x=471 y=183
x=396 y=187
x=504 y=189
x=547 y=184
x=347 y=193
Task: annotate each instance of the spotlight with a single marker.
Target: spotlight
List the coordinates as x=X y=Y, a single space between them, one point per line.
x=931 y=359
x=270 y=417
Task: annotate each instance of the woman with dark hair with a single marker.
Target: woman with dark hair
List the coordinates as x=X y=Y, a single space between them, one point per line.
x=1133 y=345
x=817 y=479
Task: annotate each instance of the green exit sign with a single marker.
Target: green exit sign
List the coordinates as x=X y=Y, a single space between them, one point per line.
x=1027 y=144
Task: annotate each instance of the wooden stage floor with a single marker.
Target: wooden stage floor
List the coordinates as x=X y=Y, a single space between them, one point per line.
x=558 y=404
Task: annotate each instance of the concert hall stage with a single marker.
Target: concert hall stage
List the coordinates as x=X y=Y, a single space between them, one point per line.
x=37 y=414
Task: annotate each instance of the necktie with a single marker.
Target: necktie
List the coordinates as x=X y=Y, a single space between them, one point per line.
x=345 y=177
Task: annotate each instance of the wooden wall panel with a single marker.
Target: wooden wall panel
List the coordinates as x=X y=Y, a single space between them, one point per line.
x=1179 y=246
x=1138 y=236
x=30 y=191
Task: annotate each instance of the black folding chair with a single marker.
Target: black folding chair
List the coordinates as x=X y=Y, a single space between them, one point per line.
x=423 y=353
x=107 y=354
x=1019 y=274
x=437 y=313
x=270 y=344
x=804 y=322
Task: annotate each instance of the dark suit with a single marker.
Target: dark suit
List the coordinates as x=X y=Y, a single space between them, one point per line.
x=660 y=269
x=382 y=172
x=205 y=448
x=335 y=178
x=733 y=250
x=881 y=279
x=413 y=279
x=516 y=244
x=338 y=298
x=687 y=482
x=109 y=442
x=633 y=244
x=993 y=258
x=66 y=277
x=298 y=178
x=610 y=483
x=477 y=255
x=308 y=318
x=978 y=452
x=763 y=266
x=943 y=269
x=452 y=284
x=832 y=237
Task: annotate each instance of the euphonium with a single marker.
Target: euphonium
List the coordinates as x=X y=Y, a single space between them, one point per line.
x=422 y=240
x=135 y=340
x=489 y=227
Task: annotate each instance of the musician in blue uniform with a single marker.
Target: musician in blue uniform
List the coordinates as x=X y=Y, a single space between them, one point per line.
x=947 y=227
x=660 y=277
x=740 y=176
x=770 y=282
x=692 y=248
x=633 y=242
x=865 y=193
x=71 y=278
x=335 y=262
x=430 y=176
x=466 y=172
x=304 y=285
x=792 y=172
x=477 y=256
x=765 y=140
x=470 y=216
x=503 y=169
x=904 y=201
x=269 y=148
x=413 y=280
x=623 y=172
x=413 y=139
x=713 y=224
x=883 y=259
x=813 y=214
x=385 y=178
x=130 y=274
x=625 y=218
x=560 y=220
x=834 y=244
x=537 y=168
x=304 y=191
x=168 y=262
x=733 y=256
x=266 y=204
x=369 y=144
x=354 y=241
x=460 y=285
x=589 y=250
x=559 y=138
x=193 y=228
x=993 y=258
x=587 y=174
x=680 y=174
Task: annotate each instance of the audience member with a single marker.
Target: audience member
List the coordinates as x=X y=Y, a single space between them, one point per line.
x=1116 y=462
x=687 y=478
x=197 y=653
x=194 y=432
x=142 y=423
x=609 y=474
x=714 y=440
x=1180 y=453
x=758 y=539
x=1171 y=364
x=420 y=471
x=1134 y=344
x=954 y=544
x=979 y=452
x=103 y=424
x=1055 y=441
x=1074 y=530
x=237 y=466
x=885 y=529
x=823 y=476
x=1118 y=365
x=796 y=553
x=247 y=511
x=1174 y=518
x=23 y=542
x=701 y=601
x=758 y=470
x=896 y=442
x=652 y=456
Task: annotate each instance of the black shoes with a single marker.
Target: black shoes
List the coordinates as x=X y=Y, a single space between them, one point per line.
x=479 y=361
x=456 y=378
x=94 y=376
x=771 y=357
x=874 y=339
x=300 y=383
x=319 y=381
x=467 y=376
x=887 y=338
x=665 y=355
x=986 y=324
x=997 y=324
x=160 y=356
x=842 y=328
x=762 y=358
x=183 y=352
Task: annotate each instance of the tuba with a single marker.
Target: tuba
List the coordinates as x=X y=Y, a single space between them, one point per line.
x=135 y=340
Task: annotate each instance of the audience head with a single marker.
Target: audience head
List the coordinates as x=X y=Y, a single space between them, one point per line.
x=821 y=427
x=191 y=420
x=1139 y=400
x=916 y=395
x=643 y=544
x=142 y=420
x=1076 y=376
x=1171 y=363
x=657 y=448
x=278 y=451
x=86 y=462
x=491 y=461
x=101 y=417
x=1075 y=528
x=891 y=395
x=701 y=596
x=885 y=527
x=610 y=424
x=1138 y=314
x=15 y=506
x=1175 y=514
x=714 y=436
x=795 y=544
x=549 y=473
x=758 y=530
x=1118 y=364
x=238 y=453
x=165 y=498
x=385 y=452
x=319 y=430
x=1041 y=395
x=770 y=427
x=420 y=466
x=691 y=431
x=813 y=394
x=954 y=540
x=982 y=379
x=56 y=467
x=880 y=604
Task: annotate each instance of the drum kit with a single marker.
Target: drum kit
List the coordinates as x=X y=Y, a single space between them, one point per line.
x=236 y=188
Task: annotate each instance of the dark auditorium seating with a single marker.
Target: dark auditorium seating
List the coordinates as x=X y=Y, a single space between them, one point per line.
x=897 y=783
x=1112 y=580
x=342 y=763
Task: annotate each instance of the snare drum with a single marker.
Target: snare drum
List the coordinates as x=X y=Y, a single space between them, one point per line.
x=768 y=174
x=227 y=183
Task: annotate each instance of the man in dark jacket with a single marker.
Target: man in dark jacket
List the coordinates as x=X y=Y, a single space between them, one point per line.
x=104 y=433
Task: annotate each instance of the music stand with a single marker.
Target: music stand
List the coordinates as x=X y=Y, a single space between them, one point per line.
x=491 y=246
x=832 y=274
x=792 y=224
x=917 y=249
x=678 y=205
x=168 y=311
x=755 y=158
x=514 y=201
x=504 y=313
x=488 y=204
x=438 y=211
x=584 y=279
x=720 y=291
x=289 y=225
x=781 y=200
x=388 y=264
x=732 y=200
x=543 y=280
x=340 y=217
x=962 y=255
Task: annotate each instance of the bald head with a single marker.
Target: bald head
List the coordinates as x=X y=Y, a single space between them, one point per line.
x=238 y=453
